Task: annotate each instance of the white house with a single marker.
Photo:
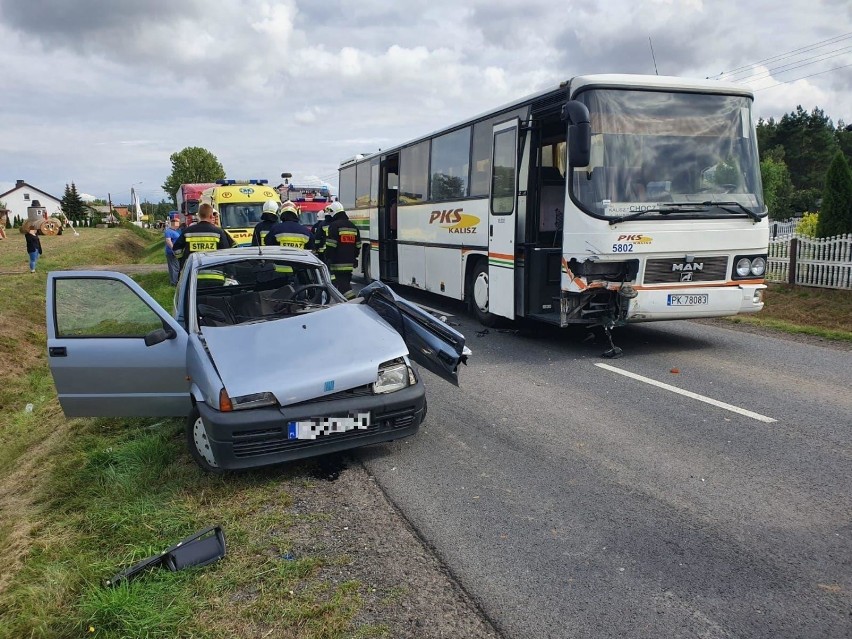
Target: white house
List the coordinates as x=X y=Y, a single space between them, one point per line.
x=19 y=198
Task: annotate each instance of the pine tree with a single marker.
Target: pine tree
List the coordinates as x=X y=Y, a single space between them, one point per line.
x=835 y=216
x=72 y=203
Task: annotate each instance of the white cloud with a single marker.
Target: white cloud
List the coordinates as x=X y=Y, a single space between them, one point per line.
x=103 y=97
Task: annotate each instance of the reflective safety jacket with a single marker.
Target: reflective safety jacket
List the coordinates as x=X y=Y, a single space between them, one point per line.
x=290 y=234
x=267 y=221
x=319 y=230
x=342 y=243
x=200 y=237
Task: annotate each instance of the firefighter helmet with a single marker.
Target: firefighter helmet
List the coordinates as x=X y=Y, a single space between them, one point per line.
x=334 y=208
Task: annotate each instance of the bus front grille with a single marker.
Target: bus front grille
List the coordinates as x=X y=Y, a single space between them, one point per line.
x=677 y=270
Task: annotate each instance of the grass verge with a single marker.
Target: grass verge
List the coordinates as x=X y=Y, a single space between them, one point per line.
x=821 y=312
x=82 y=499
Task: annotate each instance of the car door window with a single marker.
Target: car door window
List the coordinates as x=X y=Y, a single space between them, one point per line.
x=101 y=307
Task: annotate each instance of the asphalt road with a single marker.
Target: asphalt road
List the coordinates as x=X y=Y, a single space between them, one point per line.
x=573 y=501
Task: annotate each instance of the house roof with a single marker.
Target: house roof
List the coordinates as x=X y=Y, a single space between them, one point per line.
x=21 y=185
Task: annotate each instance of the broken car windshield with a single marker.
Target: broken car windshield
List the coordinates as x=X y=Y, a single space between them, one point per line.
x=259 y=290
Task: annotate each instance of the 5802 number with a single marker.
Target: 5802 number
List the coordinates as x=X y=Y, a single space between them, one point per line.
x=622 y=248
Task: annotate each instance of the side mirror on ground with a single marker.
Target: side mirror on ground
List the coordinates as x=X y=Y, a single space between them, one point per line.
x=159 y=335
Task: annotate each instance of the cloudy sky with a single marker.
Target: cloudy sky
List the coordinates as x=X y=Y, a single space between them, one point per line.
x=101 y=92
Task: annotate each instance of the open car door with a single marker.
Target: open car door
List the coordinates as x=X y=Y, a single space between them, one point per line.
x=113 y=351
x=431 y=343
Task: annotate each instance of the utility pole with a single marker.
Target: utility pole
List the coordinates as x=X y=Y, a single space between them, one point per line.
x=109 y=200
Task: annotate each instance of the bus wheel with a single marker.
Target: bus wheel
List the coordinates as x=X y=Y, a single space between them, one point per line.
x=479 y=295
x=365 y=265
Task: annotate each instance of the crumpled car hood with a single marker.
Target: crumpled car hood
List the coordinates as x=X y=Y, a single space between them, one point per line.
x=301 y=358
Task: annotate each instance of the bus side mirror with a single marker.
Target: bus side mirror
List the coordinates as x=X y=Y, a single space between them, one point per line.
x=579 y=133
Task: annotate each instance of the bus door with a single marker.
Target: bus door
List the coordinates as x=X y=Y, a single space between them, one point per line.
x=388 y=224
x=502 y=214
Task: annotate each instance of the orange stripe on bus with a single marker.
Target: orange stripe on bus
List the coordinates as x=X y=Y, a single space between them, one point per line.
x=502 y=256
x=664 y=285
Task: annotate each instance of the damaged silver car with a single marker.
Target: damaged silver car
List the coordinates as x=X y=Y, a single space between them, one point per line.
x=268 y=361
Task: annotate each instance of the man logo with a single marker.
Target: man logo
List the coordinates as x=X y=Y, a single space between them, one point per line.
x=688 y=267
x=686 y=277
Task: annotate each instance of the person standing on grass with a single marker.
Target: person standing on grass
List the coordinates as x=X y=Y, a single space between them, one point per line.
x=33 y=248
x=172 y=233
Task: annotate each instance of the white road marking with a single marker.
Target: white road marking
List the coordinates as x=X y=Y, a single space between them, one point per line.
x=686 y=393
x=434 y=310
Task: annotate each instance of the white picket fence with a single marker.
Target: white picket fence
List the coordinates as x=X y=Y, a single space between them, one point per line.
x=777 y=229
x=809 y=261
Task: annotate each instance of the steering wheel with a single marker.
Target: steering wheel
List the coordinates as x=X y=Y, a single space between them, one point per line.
x=306 y=287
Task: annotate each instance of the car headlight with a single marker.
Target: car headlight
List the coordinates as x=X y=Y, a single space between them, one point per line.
x=255 y=400
x=758 y=266
x=743 y=267
x=393 y=376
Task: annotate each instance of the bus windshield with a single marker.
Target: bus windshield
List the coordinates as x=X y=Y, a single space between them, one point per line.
x=240 y=216
x=669 y=154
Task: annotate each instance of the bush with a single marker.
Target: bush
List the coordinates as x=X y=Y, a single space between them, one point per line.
x=808 y=224
x=836 y=211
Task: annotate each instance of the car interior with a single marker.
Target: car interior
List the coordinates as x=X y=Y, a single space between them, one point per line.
x=259 y=290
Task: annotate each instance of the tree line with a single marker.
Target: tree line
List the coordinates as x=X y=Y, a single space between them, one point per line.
x=805 y=166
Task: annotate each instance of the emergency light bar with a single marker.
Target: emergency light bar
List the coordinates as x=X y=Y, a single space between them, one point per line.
x=232 y=182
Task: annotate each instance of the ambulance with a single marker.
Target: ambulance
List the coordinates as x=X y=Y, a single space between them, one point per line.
x=239 y=204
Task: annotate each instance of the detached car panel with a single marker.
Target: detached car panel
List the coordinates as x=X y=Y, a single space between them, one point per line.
x=265 y=358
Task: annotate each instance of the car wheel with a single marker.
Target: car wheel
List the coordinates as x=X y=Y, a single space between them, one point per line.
x=479 y=295
x=199 y=447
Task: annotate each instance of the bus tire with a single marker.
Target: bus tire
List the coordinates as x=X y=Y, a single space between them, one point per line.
x=365 y=264
x=478 y=296
x=196 y=441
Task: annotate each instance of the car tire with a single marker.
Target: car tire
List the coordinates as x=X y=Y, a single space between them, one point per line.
x=196 y=441
x=478 y=296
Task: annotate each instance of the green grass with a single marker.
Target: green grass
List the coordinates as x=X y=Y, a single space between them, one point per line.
x=84 y=499
x=821 y=312
x=124 y=489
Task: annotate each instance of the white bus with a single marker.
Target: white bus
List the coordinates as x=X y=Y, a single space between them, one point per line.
x=608 y=200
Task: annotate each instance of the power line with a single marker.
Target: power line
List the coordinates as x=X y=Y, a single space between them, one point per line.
x=771 y=86
x=784 y=68
x=787 y=54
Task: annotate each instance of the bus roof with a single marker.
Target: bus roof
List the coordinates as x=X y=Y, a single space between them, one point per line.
x=574 y=85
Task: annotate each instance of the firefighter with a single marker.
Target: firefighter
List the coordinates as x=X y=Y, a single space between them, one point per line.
x=342 y=248
x=201 y=236
x=319 y=230
x=289 y=232
x=268 y=219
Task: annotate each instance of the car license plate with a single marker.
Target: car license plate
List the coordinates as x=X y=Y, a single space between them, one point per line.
x=320 y=426
x=679 y=299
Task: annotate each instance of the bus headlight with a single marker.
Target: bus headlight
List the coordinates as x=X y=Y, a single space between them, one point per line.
x=746 y=266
